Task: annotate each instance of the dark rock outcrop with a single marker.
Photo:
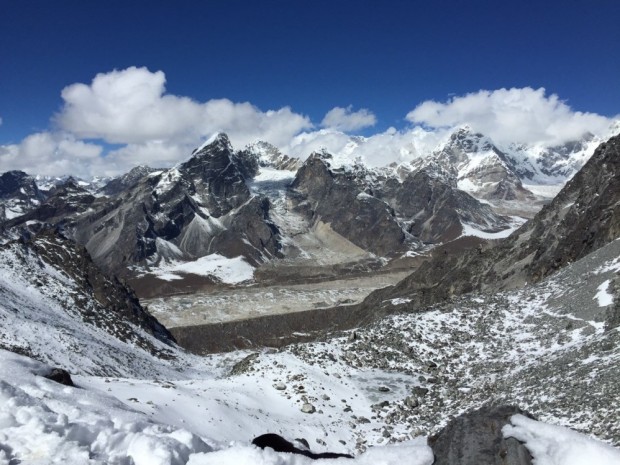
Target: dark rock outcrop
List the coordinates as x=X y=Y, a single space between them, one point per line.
x=279 y=444
x=200 y=207
x=18 y=194
x=336 y=197
x=126 y=181
x=475 y=438
x=437 y=209
x=61 y=376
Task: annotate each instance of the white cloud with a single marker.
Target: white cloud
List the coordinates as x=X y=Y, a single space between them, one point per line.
x=131 y=107
x=523 y=115
x=52 y=154
x=345 y=119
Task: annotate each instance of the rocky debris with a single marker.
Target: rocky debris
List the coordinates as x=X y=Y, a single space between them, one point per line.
x=60 y=375
x=245 y=365
x=612 y=316
x=475 y=438
x=544 y=348
x=308 y=408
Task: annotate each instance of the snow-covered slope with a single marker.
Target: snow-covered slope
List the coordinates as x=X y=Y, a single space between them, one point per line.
x=551 y=348
x=57 y=307
x=398 y=379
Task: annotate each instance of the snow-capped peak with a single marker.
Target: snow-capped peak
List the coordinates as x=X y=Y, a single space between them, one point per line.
x=218 y=140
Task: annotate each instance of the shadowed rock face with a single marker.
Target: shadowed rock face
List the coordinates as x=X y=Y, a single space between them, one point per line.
x=18 y=194
x=200 y=207
x=584 y=216
x=475 y=438
x=382 y=214
x=336 y=197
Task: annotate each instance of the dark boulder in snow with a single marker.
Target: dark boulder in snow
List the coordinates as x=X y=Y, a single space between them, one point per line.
x=475 y=438
x=279 y=444
x=60 y=376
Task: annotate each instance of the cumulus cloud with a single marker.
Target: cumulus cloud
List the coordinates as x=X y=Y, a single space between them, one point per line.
x=52 y=154
x=130 y=106
x=522 y=115
x=345 y=119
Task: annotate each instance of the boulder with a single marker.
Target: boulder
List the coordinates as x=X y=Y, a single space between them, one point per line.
x=475 y=438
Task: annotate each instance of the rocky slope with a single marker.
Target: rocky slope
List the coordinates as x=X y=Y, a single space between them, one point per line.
x=386 y=213
x=55 y=302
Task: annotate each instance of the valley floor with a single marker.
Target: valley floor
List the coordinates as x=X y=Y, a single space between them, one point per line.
x=239 y=303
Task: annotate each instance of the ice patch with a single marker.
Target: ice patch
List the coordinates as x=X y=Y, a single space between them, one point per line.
x=469 y=230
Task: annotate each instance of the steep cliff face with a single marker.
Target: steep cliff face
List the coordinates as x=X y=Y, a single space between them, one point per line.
x=199 y=207
x=583 y=217
x=337 y=197
x=386 y=212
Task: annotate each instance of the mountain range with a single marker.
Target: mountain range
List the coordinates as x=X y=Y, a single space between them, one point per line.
x=530 y=318
x=261 y=206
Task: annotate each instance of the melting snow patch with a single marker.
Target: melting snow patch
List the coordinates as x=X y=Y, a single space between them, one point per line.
x=604 y=298
x=469 y=230
x=228 y=270
x=555 y=445
x=399 y=301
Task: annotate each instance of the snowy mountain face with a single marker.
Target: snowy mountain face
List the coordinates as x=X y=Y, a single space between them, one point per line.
x=56 y=306
x=18 y=194
x=583 y=217
x=480 y=168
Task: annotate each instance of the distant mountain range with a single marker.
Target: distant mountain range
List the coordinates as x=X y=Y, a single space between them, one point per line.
x=260 y=205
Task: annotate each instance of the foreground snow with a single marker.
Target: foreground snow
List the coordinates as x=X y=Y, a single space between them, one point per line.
x=43 y=422
x=554 y=445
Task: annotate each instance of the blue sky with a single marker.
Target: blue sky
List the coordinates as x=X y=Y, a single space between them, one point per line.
x=387 y=57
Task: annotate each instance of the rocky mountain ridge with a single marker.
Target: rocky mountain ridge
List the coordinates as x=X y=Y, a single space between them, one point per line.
x=584 y=216
x=256 y=203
